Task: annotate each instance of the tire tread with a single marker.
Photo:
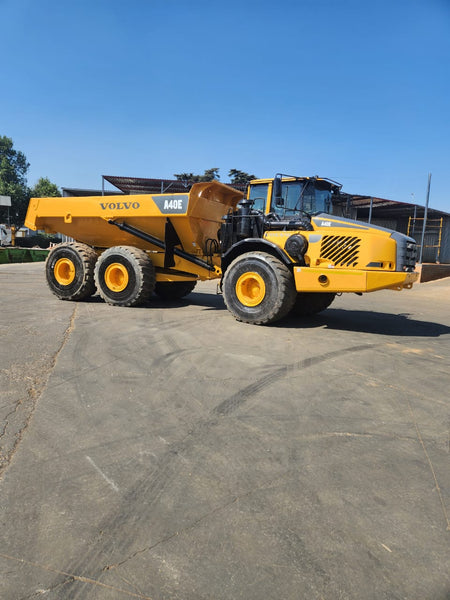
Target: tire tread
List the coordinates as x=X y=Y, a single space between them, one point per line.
x=147 y=276
x=88 y=257
x=286 y=298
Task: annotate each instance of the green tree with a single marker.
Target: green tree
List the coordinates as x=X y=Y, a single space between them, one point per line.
x=240 y=177
x=208 y=175
x=190 y=177
x=13 y=179
x=44 y=188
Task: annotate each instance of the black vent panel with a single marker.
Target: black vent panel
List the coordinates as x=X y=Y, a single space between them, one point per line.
x=341 y=250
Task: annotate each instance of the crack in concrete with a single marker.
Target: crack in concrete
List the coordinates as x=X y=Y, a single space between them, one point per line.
x=200 y=519
x=35 y=391
x=40 y=592
x=71 y=577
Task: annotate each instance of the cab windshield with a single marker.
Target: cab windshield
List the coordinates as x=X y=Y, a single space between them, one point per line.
x=304 y=196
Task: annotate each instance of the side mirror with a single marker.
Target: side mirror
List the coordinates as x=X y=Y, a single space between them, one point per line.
x=277 y=191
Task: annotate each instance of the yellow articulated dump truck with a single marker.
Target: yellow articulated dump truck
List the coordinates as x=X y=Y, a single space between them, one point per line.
x=275 y=249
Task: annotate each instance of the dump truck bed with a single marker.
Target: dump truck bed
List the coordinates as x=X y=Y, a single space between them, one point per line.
x=195 y=216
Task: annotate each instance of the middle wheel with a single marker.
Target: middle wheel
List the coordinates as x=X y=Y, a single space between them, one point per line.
x=258 y=288
x=125 y=276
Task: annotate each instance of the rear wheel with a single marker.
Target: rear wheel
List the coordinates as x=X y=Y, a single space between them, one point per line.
x=258 y=288
x=311 y=303
x=125 y=276
x=174 y=290
x=69 y=269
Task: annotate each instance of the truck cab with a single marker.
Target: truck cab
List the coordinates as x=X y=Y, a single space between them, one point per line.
x=287 y=196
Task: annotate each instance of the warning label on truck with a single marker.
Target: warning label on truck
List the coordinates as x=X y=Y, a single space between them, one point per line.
x=172 y=203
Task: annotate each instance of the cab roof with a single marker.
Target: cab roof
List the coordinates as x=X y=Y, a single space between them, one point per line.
x=333 y=184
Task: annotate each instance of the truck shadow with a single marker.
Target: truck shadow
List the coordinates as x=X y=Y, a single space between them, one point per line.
x=207 y=301
x=338 y=319
x=362 y=321
x=368 y=322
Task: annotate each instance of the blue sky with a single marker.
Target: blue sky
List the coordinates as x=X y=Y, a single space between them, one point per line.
x=353 y=90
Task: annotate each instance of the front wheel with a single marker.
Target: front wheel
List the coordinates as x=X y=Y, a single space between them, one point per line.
x=258 y=288
x=125 y=276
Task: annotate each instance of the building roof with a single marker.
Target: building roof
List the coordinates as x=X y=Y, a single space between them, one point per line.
x=140 y=185
x=81 y=192
x=387 y=208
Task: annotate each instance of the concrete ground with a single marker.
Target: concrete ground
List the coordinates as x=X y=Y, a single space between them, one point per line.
x=170 y=452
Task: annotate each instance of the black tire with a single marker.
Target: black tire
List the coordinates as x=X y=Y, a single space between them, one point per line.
x=69 y=269
x=125 y=276
x=311 y=303
x=258 y=288
x=174 y=290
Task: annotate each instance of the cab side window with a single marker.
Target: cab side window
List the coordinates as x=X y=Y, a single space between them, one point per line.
x=258 y=193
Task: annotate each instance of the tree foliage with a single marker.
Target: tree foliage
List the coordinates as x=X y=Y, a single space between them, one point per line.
x=240 y=177
x=211 y=175
x=13 y=179
x=44 y=188
x=237 y=177
x=13 y=182
x=208 y=175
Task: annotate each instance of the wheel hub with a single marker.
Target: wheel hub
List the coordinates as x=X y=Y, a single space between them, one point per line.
x=64 y=271
x=116 y=277
x=250 y=289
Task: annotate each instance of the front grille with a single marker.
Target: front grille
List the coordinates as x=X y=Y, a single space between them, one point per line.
x=342 y=250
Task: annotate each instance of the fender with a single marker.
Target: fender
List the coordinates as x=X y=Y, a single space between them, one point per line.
x=253 y=245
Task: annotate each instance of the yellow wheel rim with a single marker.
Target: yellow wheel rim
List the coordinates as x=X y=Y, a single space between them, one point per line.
x=64 y=271
x=250 y=289
x=116 y=277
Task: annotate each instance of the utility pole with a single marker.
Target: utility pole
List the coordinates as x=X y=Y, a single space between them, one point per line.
x=425 y=218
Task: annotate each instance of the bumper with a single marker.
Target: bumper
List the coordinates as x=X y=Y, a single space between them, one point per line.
x=309 y=279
